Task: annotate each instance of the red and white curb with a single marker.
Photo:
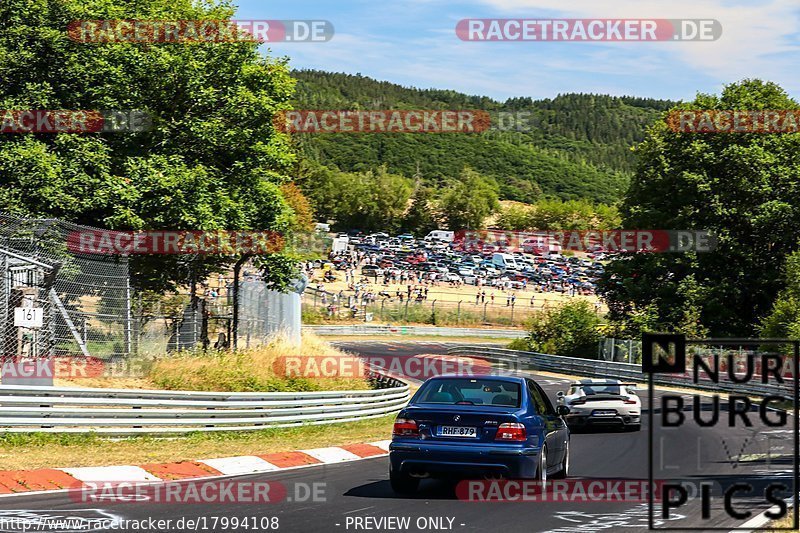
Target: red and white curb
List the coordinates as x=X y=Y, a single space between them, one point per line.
x=15 y=482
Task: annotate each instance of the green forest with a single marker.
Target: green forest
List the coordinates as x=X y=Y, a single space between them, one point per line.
x=578 y=146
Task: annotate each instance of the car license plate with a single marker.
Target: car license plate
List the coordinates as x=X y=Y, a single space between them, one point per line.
x=457 y=431
x=601 y=412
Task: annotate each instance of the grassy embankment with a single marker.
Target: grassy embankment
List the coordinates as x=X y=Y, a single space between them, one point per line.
x=247 y=371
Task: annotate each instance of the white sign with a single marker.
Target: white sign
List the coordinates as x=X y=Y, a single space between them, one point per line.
x=28 y=317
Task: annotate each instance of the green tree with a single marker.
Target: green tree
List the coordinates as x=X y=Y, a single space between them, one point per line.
x=468 y=201
x=420 y=219
x=554 y=214
x=570 y=330
x=514 y=217
x=745 y=188
x=783 y=320
x=212 y=160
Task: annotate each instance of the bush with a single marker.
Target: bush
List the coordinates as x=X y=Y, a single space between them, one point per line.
x=570 y=330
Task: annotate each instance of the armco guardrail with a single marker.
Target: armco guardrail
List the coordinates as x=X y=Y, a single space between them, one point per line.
x=358 y=329
x=609 y=369
x=26 y=409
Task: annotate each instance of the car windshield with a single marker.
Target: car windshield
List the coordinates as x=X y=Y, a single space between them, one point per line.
x=470 y=392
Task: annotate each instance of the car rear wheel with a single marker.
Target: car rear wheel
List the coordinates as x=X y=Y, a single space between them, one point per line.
x=564 y=472
x=402 y=483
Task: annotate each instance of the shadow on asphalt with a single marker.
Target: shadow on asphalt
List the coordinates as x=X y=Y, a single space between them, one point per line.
x=429 y=489
x=600 y=429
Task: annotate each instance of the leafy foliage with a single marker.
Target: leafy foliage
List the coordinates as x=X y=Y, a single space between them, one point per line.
x=212 y=160
x=420 y=217
x=570 y=330
x=369 y=200
x=783 y=321
x=559 y=215
x=575 y=145
x=467 y=202
x=743 y=187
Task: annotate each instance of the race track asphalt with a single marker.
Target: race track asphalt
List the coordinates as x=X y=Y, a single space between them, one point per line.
x=355 y=496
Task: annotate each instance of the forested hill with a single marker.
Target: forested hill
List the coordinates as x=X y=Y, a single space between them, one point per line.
x=579 y=146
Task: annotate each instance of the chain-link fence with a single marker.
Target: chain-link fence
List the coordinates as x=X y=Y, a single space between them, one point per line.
x=183 y=321
x=321 y=307
x=66 y=302
x=264 y=313
x=57 y=300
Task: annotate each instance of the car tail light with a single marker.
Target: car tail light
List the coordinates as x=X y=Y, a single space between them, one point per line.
x=405 y=427
x=629 y=401
x=511 y=432
x=579 y=401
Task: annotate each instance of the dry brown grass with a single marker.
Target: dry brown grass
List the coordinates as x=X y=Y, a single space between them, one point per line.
x=256 y=370
x=259 y=369
x=785 y=522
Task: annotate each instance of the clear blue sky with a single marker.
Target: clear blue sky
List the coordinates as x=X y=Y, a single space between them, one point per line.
x=413 y=42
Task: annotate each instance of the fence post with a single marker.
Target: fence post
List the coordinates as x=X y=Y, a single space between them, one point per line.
x=128 y=319
x=484 y=311
x=406 y=317
x=458 y=313
x=433 y=312
x=512 y=313
x=235 y=311
x=383 y=302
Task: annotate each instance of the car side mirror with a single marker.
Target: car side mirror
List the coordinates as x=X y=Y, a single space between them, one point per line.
x=562 y=410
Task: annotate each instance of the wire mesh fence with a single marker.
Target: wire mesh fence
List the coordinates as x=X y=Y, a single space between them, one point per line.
x=56 y=300
x=73 y=303
x=320 y=307
x=620 y=350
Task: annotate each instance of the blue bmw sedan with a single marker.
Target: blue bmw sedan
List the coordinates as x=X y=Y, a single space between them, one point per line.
x=490 y=426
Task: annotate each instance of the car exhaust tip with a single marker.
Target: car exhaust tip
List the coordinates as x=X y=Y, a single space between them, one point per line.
x=419 y=475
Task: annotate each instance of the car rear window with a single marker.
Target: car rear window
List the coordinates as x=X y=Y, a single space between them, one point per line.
x=600 y=389
x=469 y=391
